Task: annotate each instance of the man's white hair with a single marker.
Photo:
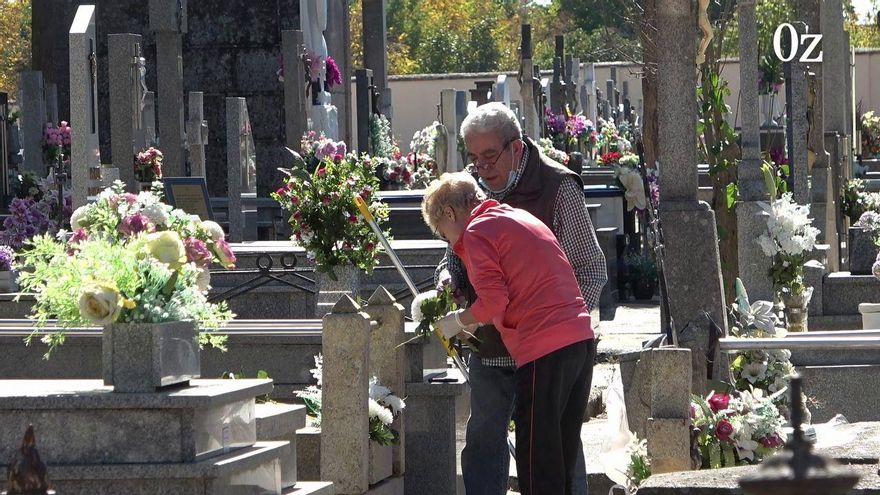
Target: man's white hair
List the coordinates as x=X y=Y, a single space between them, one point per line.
x=492 y=117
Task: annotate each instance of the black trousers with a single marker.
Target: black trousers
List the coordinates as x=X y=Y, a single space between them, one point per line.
x=551 y=396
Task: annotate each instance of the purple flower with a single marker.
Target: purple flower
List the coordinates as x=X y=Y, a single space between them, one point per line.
x=334 y=77
x=7 y=255
x=135 y=224
x=78 y=236
x=555 y=123
x=777 y=156
x=197 y=252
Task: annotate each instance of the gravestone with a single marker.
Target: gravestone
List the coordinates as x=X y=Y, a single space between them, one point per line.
x=608 y=103
x=295 y=124
x=364 y=89
x=688 y=224
x=574 y=84
x=750 y=219
x=531 y=122
x=126 y=68
x=668 y=426
x=501 y=90
x=196 y=134
x=462 y=108
x=822 y=207
x=339 y=44
x=168 y=21
x=376 y=52
x=50 y=95
x=33 y=120
x=588 y=91
x=313 y=22
x=149 y=121
x=84 y=148
x=797 y=128
x=449 y=121
x=241 y=170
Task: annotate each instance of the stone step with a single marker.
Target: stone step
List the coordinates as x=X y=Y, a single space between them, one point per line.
x=310 y=488
x=249 y=470
x=842 y=292
x=279 y=422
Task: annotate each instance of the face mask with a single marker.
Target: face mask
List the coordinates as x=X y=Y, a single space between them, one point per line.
x=512 y=177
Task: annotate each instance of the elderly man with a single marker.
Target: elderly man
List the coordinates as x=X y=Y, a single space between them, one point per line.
x=512 y=170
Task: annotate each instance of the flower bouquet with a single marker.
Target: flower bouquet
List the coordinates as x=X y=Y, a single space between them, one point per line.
x=384 y=406
x=394 y=172
x=35 y=211
x=789 y=238
x=742 y=427
x=319 y=192
x=422 y=157
x=870 y=127
x=130 y=259
x=56 y=142
x=148 y=165
x=550 y=151
x=430 y=306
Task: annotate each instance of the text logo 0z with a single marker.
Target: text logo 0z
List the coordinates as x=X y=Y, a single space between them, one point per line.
x=810 y=42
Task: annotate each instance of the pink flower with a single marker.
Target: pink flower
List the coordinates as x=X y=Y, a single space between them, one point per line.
x=334 y=76
x=325 y=200
x=773 y=441
x=718 y=402
x=135 y=224
x=370 y=246
x=322 y=172
x=78 y=236
x=294 y=200
x=224 y=253
x=337 y=157
x=197 y=252
x=352 y=219
x=724 y=430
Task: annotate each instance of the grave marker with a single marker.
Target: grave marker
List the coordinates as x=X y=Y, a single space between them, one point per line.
x=196 y=134
x=33 y=120
x=126 y=98
x=241 y=170
x=85 y=159
x=531 y=122
x=295 y=119
x=168 y=21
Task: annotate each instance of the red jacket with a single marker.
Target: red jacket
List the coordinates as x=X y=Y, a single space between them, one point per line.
x=524 y=283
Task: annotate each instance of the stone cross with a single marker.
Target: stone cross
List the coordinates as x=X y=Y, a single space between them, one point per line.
x=364 y=89
x=450 y=122
x=313 y=22
x=625 y=111
x=196 y=134
x=501 y=90
x=295 y=120
x=531 y=122
x=126 y=99
x=33 y=120
x=574 y=85
x=588 y=91
x=168 y=21
x=241 y=171
x=822 y=206
x=753 y=263
x=688 y=224
x=797 y=129
x=345 y=430
x=84 y=149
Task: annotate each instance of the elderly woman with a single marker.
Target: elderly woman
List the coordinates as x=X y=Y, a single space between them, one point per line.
x=526 y=287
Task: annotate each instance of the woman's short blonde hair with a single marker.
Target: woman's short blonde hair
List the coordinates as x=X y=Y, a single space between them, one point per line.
x=456 y=189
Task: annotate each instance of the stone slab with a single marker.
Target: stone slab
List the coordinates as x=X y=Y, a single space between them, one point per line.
x=842 y=390
x=308 y=453
x=279 y=422
x=215 y=476
x=310 y=488
x=842 y=292
x=862 y=251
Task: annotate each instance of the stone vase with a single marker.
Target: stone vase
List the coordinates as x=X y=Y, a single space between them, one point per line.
x=380 y=462
x=768 y=104
x=329 y=291
x=143 y=357
x=796 y=310
x=8 y=281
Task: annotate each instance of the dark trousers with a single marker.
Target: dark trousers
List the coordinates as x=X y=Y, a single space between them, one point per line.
x=551 y=396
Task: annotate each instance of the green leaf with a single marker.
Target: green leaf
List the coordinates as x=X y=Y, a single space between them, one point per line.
x=731 y=193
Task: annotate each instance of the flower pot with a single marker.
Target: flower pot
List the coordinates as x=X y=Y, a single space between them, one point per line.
x=142 y=357
x=329 y=291
x=8 y=281
x=796 y=310
x=380 y=462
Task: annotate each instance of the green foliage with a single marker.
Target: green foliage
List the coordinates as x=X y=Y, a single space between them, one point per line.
x=853 y=199
x=15 y=42
x=433 y=308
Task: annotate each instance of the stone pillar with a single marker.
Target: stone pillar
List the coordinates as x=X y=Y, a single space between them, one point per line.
x=797 y=130
x=836 y=61
x=168 y=21
x=823 y=193
x=124 y=61
x=531 y=122
x=338 y=37
x=345 y=427
x=588 y=92
x=240 y=172
x=750 y=220
x=462 y=100
x=50 y=96
x=149 y=120
x=688 y=224
x=363 y=90
x=501 y=90
x=295 y=124
x=84 y=148
x=33 y=120
x=608 y=105
x=376 y=52
x=388 y=362
x=450 y=121
x=196 y=133
x=668 y=427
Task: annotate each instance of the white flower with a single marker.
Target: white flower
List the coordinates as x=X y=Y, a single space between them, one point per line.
x=754 y=372
x=214 y=230
x=318 y=370
x=767 y=245
x=157 y=213
x=745 y=447
x=778 y=384
x=395 y=403
x=77 y=216
x=379 y=411
x=203 y=280
x=377 y=390
x=416 y=307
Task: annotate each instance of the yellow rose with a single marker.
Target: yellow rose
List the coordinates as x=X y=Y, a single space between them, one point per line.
x=100 y=303
x=167 y=247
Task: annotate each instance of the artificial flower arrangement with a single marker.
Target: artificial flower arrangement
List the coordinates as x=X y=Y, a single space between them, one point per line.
x=56 y=142
x=626 y=171
x=35 y=211
x=130 y=259
x=611 y=139
x=319 y=193
x=570 y=131
x=384 y=406
x=870 y=127
x=639 y=467
x=552 y=152
x=430 y=306
x=393 y=169
x=422 y=156
x=736 y=428
x=148 y=165
x=789 y=239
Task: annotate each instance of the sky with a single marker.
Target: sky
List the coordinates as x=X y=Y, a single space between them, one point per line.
x=863 y=8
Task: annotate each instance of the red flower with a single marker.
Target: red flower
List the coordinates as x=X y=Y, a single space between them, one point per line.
x=322 y=172
x=719 y=402
x=610 y=157
x=370 y=246
x=772 y=442
x=723 y=430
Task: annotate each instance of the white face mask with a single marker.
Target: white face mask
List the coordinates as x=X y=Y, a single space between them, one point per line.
x=512 y=177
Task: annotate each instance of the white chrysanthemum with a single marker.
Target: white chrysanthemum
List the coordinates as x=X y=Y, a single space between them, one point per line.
x=379 y=411
x=77 y=216
x=377 y=390
x=416 y=307
x=318 y=370
x=203 y=280
x=767 y=245
x=157 y=213
x=754 y=372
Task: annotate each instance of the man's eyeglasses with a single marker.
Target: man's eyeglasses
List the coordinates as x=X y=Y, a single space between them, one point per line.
x=478 y=165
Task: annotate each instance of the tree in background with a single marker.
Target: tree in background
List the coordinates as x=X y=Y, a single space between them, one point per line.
x=15 y=42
